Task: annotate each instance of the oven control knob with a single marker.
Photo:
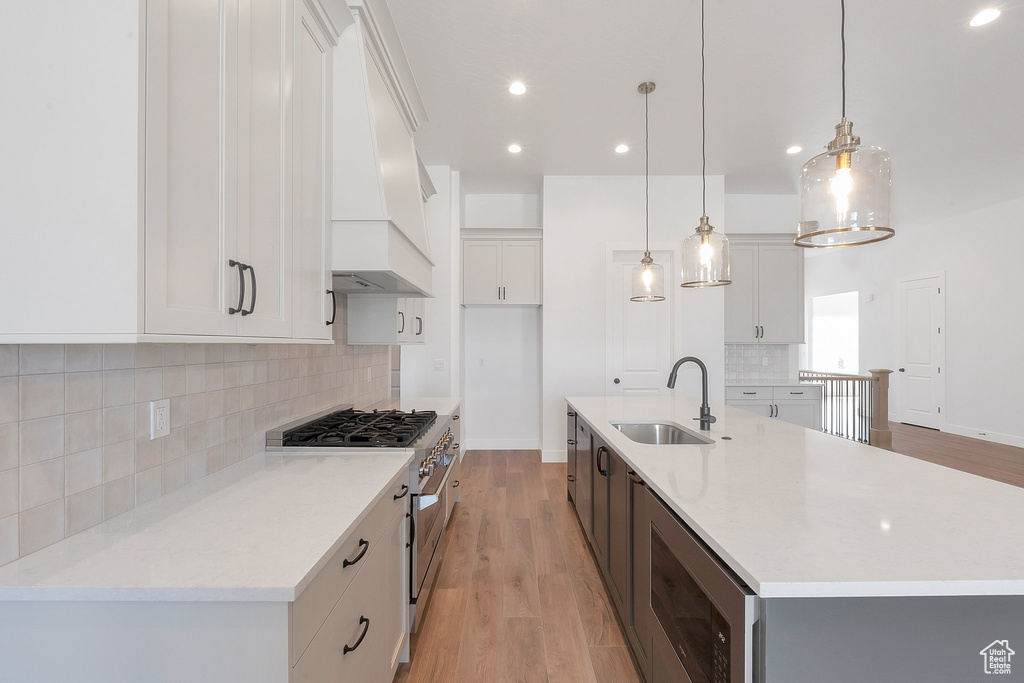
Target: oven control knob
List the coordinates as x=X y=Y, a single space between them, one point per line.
x=424 y=472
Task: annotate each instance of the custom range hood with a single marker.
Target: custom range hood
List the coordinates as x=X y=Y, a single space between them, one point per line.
x=379 y=237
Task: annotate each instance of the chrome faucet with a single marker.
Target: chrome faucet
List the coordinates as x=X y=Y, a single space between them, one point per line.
x=706 y=418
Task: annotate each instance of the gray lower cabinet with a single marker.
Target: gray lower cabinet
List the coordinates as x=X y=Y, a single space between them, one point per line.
x=618 y=533
x=584 y=498
x=639 y=623
x=602 y=456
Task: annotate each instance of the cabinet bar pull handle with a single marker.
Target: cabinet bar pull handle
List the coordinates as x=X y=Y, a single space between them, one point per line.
x=241 y=285
x=366 y=629
x=571 y=442
x=797 y=393
x=571 y=414
x=403 y=494
x=571 y=477
x=455 y=417
x=364 y=546
x=750 y=393
x=420 y=321
x=634 y=477
x=334 y=306
x=252 y=302
x=456 y=445
x=402 y=328
x=602 y=472
x=503 y=295
x=456 y=484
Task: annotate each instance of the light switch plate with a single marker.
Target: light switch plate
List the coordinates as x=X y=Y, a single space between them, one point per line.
x=159 y=418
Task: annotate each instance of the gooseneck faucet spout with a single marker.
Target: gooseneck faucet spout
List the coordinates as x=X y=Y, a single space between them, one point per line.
x=706 y=418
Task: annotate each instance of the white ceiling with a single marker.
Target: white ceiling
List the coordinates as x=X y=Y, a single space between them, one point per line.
x=944 y=99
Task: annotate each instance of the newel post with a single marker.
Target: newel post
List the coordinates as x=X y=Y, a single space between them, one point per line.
x=880 y=434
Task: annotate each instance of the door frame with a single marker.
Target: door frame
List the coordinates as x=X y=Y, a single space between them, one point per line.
x=940 y=378
x=666 y=258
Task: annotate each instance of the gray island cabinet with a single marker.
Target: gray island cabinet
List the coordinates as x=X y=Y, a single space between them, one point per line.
x=782 y=555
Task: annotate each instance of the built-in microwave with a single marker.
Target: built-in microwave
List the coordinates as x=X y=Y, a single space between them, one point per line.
x=701 y=616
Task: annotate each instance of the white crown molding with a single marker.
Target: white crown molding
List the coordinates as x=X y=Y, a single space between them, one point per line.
x=333 y=17
x=385 y=47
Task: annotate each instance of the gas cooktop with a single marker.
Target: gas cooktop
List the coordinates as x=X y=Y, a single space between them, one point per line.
x=361 y=429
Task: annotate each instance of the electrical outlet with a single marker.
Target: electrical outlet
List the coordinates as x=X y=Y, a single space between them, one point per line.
x=159 y=418
x=439 y=365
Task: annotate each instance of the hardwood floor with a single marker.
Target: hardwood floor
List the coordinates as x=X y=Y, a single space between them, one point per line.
x=983 y=458
x=518 y=596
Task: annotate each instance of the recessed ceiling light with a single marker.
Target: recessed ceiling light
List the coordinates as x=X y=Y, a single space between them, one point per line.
x=517 y=88
x=622 y=149
x=795 y=149
x=514 y=148
x=985 y=16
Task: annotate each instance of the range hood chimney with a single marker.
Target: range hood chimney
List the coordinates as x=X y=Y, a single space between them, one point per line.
x=379 y=236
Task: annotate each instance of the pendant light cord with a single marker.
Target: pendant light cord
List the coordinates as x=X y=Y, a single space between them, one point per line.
x=703 y=128
x=647 y=172
x=842 y=31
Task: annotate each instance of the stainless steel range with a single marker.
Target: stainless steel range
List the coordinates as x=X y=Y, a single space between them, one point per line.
x=428 y=434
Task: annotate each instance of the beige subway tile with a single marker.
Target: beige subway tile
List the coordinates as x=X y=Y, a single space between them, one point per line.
x=148 y=485
x=118 y=424
x=232 y=375
x=148 y=452
x=174 y=446
x=215 y=432
x=148 y=384
x=118 y=356
x=195 y=438
x=83 y=431
x=195 y=354
x=172 y=475
x=141 y=420
x=174 y=354
x=195 y=379
x=9 y=492
x=118 y=387
x=83 y=391
x=8 y=446
x=214 y=353
x=83 y=471
x=9 y=539
x=195 y=466
x=214 y=404
x=41 y=526
x=196 y=408
x=179 y=412
x=83 y=357
x=118 y=497
x=232 y=427
x=232 y=401
x=174 y=381
x=118 y=461
x=216 y=460
x=83 y=510
x=9 y=403
x=8 y=360
x=41 y=396
x=214 y=375
x=40 y=440
x=149 y=355
x=41 y=483
x=38 y=359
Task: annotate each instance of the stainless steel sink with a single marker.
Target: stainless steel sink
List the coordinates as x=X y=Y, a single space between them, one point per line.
x=660 y=433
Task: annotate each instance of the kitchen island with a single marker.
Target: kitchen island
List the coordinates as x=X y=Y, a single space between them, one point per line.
x=865 y=564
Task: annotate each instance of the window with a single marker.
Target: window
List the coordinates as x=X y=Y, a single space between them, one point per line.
x=835 y=330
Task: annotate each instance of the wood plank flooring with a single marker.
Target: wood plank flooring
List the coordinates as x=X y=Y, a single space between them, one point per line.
x=983 y=458
x=518 y=596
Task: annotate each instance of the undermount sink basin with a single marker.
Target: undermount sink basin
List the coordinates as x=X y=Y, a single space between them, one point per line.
x=660 y=433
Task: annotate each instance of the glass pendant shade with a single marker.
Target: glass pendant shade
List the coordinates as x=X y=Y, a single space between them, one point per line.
x=706 y=257
x=844 y=194
x=648 y=280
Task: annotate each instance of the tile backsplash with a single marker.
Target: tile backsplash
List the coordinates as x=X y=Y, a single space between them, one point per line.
x=74 y=420
x=748 y=362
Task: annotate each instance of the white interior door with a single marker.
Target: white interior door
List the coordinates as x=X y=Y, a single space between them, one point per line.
x=922 y=350
x=638 y=335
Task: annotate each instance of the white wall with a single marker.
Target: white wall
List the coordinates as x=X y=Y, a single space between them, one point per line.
x=503 y=210
x=441 y=313
x=585 y=217
x=980 y=253
x=502 y=377
x=761 y=213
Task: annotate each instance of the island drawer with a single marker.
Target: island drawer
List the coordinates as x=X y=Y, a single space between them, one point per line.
x=314 y=604
x=748 y=393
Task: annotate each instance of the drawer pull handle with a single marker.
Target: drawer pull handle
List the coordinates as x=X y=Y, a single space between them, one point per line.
x=364 y=546
x=571 y=442
x=403 y=494
x=365 y=623
x=750 y=393
x=455 y=417
x=571 y=477
x=456 y=445
x=456 y=484
x=797 y=393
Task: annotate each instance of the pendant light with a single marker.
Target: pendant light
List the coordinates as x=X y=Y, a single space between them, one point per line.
x=844 y=191
x=648 y=277
x=705 y=252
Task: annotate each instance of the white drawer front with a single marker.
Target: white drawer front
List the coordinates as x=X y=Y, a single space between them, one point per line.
x=747 y=393
x=809 y=391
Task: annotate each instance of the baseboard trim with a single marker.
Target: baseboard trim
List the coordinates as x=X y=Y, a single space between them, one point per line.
x=985 y=435
x=554 y=456
x=501 y=445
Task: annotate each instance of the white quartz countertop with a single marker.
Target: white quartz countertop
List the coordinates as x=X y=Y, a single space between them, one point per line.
x=257 y=531
x=799 y=513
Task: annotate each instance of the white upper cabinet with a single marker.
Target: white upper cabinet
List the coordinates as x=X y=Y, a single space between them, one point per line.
x=386 y=320
x=501 y=272
x=213 y=219
x=764 y=303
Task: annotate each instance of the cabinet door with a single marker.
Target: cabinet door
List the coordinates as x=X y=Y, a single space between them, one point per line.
x=396 y=591
x=570 y=453
x=584 y=500
x=264 y=234
x=451 y=491
x=481 y=272
x=741 y=296
x=618 y=533
x=189 y=204
x=602 y=456
x=803 y=412
x=406 y=321
x=640 y=575
x=780 y=302
x=310 y=177
x=417 y=309
x=520 y=272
